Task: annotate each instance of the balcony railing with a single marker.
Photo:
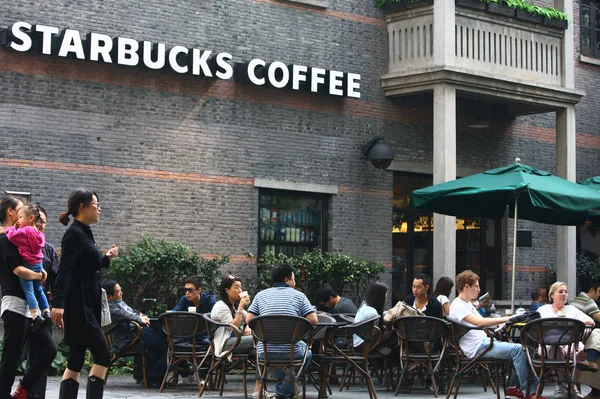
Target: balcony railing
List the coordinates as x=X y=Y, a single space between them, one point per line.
x=485 y=44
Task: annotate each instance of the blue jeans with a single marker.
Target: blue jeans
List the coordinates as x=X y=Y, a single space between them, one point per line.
x=286 y=388
x=509 y=351
x=33 y=289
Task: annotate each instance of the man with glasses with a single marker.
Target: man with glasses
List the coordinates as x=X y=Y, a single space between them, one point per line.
x=194 y=297
x=123 y=332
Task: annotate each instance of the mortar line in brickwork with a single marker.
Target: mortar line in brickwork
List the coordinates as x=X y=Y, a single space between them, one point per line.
x=161 y=175
x=327 y=12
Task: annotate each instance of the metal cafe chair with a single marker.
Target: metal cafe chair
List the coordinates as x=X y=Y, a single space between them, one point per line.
x=133 y=348
x=464 y=365
x=184 y=347
x=423 y=341
x=353 y=359
x=277 y=330
x=550 y=338
x=221 y=365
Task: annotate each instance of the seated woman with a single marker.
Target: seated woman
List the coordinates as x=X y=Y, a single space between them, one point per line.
x=443 y=289
x=371 y=307
x=558 y=296
x=475 y=342
x=230 y=310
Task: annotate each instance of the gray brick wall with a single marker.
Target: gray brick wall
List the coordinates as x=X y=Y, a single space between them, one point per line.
x=251 y=132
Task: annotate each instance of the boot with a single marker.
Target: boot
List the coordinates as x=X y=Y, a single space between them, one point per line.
x=95 y=388
x=68 y=389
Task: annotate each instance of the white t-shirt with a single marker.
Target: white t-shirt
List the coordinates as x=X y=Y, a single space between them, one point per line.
x=443 y=299
x=571 y=312
x=471 y=341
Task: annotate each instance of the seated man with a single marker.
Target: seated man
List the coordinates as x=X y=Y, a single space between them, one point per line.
x=419 y=299
x=124 y=332
x=334 y=303
x=283 y=299
x=539 y=296
x=586 y=302
x=194 y=296
x=476 y=341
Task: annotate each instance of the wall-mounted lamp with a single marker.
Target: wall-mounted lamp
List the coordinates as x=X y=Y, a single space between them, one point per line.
x=378 y=152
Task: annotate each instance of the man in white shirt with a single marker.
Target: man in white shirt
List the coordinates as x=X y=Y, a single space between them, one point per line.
x=476 y=341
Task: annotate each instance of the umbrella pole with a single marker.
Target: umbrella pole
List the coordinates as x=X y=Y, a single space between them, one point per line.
x=514 y=259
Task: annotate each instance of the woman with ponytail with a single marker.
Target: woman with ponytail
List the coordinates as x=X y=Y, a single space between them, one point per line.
x=77 y=298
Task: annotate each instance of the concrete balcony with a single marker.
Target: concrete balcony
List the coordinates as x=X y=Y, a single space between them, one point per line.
x=482 y=53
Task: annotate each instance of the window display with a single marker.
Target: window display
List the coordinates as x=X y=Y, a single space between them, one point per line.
x=291 y=223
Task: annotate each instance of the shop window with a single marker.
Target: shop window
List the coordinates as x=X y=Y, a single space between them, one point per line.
x=590 y=28
x=24 y=196
x=316 y=3
x=478 y=242
x=291 y=223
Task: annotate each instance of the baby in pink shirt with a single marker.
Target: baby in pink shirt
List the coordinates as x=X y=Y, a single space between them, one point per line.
x=30 y=241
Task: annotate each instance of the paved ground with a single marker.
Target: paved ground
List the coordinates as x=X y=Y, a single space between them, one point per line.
x=121 y=387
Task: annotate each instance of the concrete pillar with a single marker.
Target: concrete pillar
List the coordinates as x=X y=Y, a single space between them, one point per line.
x=444 y=169
x=444 y=21
x=568 y=55
x=565 y=167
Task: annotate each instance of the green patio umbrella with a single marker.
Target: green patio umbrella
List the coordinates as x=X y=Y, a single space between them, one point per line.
x=593 y=182
x=530 y=193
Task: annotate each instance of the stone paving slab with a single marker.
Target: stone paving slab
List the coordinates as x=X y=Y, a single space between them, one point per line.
x=124 y=387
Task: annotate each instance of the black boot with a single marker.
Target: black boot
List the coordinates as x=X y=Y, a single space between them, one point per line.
x=68 y=389
x=95 y=388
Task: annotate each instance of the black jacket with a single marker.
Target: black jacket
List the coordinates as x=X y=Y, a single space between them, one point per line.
x=434 y=307
x=77 y=286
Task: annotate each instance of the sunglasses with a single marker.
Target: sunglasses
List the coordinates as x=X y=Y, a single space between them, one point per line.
x=189 y=289
x=233 y=277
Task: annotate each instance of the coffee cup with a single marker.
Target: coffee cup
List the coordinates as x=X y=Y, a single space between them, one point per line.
x=243 y=294
x=508 y=312
x=192 y=309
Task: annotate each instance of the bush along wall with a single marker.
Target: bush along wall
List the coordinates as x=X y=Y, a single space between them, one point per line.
x=349 y=275
x=155 y=268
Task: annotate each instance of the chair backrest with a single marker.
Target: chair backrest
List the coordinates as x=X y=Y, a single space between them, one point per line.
x=279 y=329
x=323 y=318
x=421 y=328
x=558 y=331
x=182 y=324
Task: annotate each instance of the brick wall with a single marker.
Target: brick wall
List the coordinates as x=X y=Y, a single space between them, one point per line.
x=176 y=156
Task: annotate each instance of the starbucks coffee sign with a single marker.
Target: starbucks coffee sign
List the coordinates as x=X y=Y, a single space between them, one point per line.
x=68 y=43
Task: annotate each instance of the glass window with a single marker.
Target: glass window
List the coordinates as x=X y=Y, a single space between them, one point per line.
x=478 y=243
x=590 y=28
x=291 y=223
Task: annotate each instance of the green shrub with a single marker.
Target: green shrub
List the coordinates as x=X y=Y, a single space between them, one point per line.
x=587 y=269
x=155 y=268
x=348 y=275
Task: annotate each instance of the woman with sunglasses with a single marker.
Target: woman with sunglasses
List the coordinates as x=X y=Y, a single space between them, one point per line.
x=231 y=310
x=78 y=297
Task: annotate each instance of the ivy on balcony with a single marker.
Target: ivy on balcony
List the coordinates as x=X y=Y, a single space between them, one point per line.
x=548 y=13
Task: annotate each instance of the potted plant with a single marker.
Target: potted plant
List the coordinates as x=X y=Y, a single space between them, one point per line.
x=528 y=15
x=556 y=23
x=474 y=4
x=500 y=8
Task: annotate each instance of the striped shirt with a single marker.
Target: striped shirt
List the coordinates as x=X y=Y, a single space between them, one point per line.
x=280 y=301
x=586 y=304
